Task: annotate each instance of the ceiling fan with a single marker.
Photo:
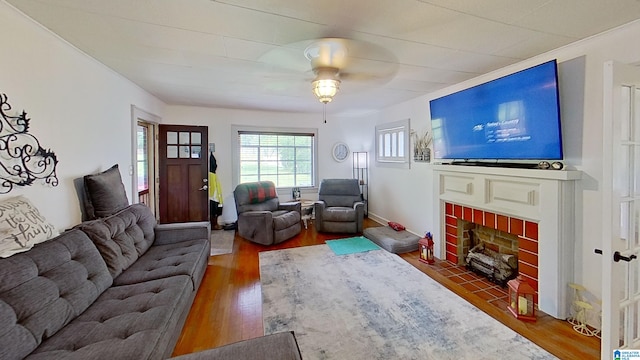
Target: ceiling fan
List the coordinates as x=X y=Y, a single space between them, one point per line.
x=327 y=57
x=334 y=61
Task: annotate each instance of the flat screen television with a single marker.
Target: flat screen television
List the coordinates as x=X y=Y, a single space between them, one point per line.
x=515 y=117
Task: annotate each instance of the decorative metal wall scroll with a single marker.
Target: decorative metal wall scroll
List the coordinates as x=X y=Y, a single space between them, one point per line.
x=22 y=159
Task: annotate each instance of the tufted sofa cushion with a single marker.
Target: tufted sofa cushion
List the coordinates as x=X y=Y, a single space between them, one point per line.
x=43 y=289
x=126 y=322
x=160 y=261
x=123 y=237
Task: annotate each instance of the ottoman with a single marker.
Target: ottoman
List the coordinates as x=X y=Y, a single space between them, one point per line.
x=396 y=242
x=279 y=346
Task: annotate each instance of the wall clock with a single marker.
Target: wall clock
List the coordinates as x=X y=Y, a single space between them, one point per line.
x=340 y=151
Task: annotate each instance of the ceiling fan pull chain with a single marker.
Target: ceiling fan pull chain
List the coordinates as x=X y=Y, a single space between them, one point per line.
x=324 y=112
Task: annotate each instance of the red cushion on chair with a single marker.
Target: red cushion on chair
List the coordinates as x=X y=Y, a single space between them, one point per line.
x=395 y=226
x=261 y=191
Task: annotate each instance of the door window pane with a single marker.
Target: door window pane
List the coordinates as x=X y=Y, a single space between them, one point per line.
x=185 y=138
x=196 y=138
x=622 y=327
x=172 y=151
x=172 y=137
x=196 y=152
x=625 y=126
x=625 y=213
x=184 y=152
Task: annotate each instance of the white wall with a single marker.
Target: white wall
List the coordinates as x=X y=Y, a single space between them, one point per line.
x=407 y=194
x=79 y=109
x=355 y=132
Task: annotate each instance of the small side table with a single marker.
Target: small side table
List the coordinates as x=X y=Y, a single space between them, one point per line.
x=306 y=207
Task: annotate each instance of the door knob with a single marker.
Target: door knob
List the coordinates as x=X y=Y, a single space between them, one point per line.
x=617 y=257
x=204 y=187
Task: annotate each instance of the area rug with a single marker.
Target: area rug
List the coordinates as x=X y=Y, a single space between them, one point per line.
x=351 y=245
x=375 y=305
x=222 y=241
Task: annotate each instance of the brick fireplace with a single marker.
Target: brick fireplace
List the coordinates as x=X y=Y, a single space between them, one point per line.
x=456 y=234
x=537 y=206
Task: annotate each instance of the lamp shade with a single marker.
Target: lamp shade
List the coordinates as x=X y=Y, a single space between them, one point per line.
x=360 y=160
x=325 y=89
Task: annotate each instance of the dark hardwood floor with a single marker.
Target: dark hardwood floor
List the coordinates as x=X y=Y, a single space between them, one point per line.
x=228 y=305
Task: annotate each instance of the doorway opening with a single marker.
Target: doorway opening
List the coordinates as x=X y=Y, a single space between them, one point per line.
x=144 y=174
x=145 y=163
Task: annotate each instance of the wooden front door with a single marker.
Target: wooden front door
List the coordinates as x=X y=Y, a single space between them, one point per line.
x=183 y=173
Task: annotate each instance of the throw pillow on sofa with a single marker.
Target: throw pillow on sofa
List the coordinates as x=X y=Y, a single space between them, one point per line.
x=104 y=193
x=22 y=226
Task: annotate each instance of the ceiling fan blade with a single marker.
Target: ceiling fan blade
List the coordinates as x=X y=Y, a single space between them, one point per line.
x=349 y=60
x=289 y=57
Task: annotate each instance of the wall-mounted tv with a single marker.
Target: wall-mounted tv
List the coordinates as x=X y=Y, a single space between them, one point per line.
x=515 y=117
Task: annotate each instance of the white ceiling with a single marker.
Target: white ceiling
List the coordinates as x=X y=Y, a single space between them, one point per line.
x=249 y=54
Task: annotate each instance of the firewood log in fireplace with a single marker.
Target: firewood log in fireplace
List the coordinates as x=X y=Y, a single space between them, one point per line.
x=496 y=266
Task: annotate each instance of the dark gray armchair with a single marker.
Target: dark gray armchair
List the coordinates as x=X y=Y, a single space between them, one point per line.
x=339 y=207
x=261 y=217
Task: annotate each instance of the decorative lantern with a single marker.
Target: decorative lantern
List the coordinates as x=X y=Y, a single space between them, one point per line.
x=521 y=299
x=426 y=249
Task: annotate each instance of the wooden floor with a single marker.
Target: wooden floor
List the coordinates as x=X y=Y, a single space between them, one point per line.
x=228 y=305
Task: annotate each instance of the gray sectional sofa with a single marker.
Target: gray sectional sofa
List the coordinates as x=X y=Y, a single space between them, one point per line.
x=113 y=288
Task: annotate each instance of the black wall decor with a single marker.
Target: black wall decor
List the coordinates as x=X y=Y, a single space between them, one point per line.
x=22 y=159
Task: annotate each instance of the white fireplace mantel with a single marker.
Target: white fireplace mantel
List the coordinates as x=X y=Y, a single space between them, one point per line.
x=546 y=197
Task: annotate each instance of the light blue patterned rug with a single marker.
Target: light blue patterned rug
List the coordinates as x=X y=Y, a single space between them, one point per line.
x=375 y=305
x=351 y=245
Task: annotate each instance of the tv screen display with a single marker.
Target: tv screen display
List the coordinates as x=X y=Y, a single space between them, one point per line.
x=516 y=117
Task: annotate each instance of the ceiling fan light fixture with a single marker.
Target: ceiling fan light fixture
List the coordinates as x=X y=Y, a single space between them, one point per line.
x=325 y=89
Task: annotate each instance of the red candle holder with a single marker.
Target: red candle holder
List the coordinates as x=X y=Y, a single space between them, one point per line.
x=521 y=299
x=425 y=245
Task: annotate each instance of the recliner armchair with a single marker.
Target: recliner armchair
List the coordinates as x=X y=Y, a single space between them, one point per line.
x=340 y=207
x=261 y=217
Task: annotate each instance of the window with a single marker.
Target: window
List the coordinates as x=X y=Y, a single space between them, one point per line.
x=286 y=157
x=142 y=158
x=144 y=162
x=392 y=144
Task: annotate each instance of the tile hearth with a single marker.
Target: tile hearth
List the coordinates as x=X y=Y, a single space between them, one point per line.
x=493 y=293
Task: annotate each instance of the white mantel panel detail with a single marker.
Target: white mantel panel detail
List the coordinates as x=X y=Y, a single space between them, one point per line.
x=542 y=196
x=504 y=194
x=460 y=187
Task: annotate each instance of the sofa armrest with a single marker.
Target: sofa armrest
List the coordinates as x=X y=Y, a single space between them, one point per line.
x=291 y=206
x=256 y=226
x=358 y=206
x=177 y=232
x=319 y=207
